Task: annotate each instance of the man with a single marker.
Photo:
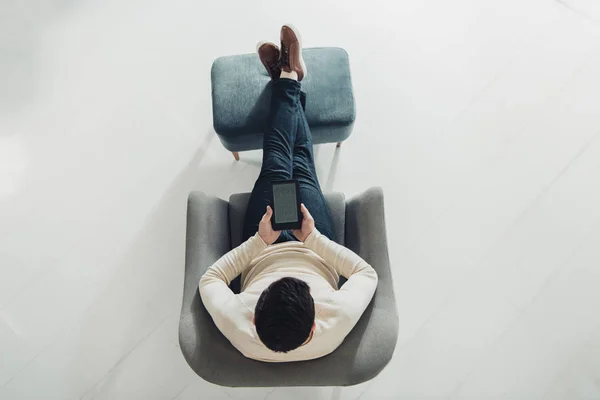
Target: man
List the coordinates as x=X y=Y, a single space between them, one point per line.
x=289 y=307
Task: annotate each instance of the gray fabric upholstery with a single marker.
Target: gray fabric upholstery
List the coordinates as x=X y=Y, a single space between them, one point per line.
x=364 y=352
x=241 y=97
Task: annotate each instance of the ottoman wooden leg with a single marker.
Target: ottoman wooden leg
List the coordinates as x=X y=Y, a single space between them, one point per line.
x=236 y=155
x=339 y=144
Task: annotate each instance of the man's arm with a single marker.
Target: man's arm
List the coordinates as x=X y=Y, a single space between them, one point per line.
x=214 y=284
x=356 y=293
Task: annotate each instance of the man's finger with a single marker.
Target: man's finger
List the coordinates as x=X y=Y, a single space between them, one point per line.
x=305 y=211
x=266 y=215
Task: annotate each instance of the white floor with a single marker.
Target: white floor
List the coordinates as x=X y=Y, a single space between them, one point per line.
x=480 y=118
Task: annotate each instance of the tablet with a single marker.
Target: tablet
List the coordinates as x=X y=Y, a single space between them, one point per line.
x=286 y=205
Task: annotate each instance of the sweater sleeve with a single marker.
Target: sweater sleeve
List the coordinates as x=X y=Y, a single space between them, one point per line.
x=354 y=296
x=214 y=284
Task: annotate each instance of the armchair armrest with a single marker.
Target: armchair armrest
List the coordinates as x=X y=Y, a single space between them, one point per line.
x=206 y=241
x=373 y=339
x=366 y=236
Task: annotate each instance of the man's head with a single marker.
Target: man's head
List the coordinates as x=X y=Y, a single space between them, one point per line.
x=285 y=314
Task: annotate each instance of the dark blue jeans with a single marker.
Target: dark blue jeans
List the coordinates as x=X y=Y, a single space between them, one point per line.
x=288 y=154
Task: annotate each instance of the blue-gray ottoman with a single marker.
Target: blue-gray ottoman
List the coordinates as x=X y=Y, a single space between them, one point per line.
x=241 y=98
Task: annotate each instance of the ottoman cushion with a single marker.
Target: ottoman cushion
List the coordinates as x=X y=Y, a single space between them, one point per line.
x=241 y=98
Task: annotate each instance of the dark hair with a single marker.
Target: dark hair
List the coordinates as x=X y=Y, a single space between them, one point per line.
x=284 y=314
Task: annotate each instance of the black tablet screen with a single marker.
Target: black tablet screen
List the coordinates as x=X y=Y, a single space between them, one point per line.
x=286 y=205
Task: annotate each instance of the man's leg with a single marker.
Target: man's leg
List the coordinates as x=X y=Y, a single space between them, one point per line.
x=278 y=145
x=303 y=169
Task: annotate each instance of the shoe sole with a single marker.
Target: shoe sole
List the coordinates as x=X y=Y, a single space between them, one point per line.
x=301 y=60
x=258 y=46
x=263 y=42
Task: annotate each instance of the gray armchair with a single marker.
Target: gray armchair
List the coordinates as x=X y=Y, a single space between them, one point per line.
x=214 y=226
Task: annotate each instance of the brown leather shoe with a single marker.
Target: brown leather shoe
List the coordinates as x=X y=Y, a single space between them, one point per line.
x=269 y=55
x=291 y=51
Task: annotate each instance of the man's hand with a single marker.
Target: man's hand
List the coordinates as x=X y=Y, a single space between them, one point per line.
x=265 y=229
x=308 y=225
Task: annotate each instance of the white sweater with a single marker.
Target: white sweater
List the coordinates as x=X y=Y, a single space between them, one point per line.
x=319 y=262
